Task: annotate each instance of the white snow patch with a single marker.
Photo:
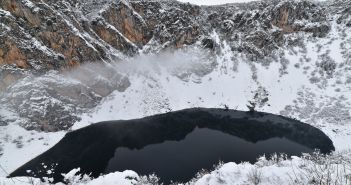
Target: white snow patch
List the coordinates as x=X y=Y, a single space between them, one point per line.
x=20 y=146
x=30 y=5
x=5 y=13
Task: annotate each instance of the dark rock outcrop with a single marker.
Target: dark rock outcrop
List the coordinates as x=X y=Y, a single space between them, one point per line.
x=343 y=9
x=53 y=101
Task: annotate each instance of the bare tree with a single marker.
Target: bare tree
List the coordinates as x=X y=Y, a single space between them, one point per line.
x=251 y=106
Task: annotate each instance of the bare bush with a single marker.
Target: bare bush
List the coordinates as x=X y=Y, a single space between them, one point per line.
x=319 y=169
x=255 y=176
x=149 y=180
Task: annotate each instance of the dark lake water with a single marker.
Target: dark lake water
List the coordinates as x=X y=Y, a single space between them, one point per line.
x=177 y=145
x=202 y=148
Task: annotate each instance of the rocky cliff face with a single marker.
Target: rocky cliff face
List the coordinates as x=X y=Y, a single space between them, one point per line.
x=37 y=36
x=46 y=34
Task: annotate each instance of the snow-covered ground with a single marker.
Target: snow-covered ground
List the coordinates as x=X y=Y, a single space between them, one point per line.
x=295 y=87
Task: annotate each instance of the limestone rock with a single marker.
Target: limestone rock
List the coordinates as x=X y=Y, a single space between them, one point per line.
x=63 y=34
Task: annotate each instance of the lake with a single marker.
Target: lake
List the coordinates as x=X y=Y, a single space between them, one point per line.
x=177 y=145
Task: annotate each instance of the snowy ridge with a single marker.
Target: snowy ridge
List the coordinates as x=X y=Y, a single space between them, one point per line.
x=309 y=81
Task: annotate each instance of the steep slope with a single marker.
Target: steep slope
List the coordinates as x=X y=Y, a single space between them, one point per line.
x=42 y=35
x=284 y=57
x=59 y=34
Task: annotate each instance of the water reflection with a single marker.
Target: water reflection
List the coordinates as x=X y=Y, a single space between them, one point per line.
x=176 y=145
